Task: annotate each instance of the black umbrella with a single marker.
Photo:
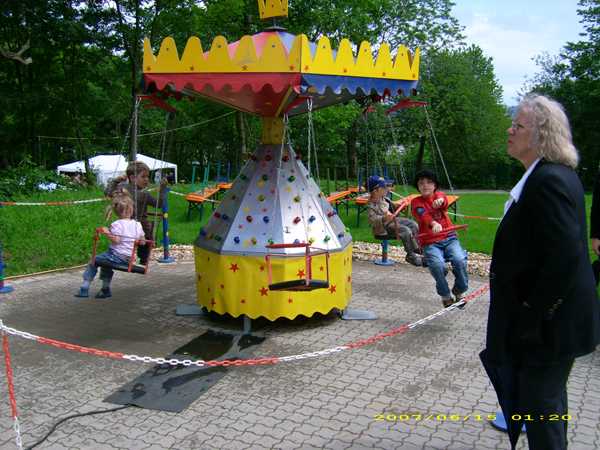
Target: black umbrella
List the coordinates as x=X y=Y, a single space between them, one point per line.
x=504 y=380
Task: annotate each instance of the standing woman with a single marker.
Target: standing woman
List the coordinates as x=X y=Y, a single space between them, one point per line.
x=543 y=306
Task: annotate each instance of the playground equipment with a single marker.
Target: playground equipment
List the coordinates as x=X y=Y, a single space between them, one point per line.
x=131 y=267
x=275 y=201
x=4 y=289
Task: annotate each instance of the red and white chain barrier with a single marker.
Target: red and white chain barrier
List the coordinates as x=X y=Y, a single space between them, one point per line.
x=63 y=203
x=201 y=363
x=246 y=362
x=11 y=388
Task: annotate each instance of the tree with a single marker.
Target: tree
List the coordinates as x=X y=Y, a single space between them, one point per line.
x=467 y=114
x=573 y=79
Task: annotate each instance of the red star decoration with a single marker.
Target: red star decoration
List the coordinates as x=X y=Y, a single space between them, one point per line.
x=349 y=279
x=199 y=277
x=332 y=289
x=212 y=302
x=262 y=268
x=222 y=286
x=234 y=267
x=290 y=300
x=321 y=268
x=263 y=291
x=300 y=273
x=243 y=300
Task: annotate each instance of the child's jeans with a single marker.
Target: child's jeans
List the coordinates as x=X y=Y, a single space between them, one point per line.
x=106 y=273
x=437 y=254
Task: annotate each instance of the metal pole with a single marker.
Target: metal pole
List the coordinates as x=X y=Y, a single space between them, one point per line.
x=165 y=224
x=134 y=132
x=4 y=289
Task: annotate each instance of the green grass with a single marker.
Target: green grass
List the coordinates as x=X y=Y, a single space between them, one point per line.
x=37 y=238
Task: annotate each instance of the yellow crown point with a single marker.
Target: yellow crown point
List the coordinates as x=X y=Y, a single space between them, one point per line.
x=272 y=8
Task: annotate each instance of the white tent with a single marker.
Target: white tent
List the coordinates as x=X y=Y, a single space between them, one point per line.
x=110 y=166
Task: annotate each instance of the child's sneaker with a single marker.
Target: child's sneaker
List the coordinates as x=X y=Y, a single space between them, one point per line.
x=104 y=293
x=83 y=293
x=414 y=259
x=458 y=296
x=447 y=301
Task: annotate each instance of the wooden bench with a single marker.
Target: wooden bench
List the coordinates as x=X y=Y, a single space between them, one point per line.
x=196 y=200
x=335 y=198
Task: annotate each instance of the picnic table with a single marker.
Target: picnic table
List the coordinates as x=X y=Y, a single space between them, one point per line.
x=197 y=199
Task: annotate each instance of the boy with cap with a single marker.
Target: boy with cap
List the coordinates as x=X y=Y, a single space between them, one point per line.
x=430 y=210
x=384 y=223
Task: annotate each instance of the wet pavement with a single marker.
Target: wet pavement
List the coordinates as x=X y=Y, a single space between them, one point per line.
x=422 y=389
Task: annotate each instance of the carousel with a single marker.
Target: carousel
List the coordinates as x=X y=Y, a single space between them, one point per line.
x=275 y=247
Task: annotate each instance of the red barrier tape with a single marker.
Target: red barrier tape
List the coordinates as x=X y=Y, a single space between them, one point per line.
x=9 y=376
x=79 y=348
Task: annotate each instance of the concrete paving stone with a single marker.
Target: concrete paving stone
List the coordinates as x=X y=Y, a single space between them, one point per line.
x=436 y=444
x=333 y=398
x=336 y=444
x=579 y=444
x=414 y=440
x=298 y=436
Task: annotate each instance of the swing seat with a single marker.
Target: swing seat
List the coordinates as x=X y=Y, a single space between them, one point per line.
x=135 y=268
x=384 y=237
x=302 y=284
x=299 y=285
x=131 y=267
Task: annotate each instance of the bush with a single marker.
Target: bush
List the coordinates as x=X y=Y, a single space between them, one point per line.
x=28 y=178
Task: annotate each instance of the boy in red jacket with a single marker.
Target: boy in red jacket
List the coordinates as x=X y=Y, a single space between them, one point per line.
x=439 y=245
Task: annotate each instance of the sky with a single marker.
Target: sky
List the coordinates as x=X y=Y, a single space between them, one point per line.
x=513 y=32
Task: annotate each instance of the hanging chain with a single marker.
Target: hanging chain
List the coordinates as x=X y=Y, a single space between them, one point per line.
x=438 y=149
x=312 y=143
x=400 y=163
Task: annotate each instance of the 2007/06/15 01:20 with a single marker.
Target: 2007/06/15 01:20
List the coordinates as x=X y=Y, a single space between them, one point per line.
x=391 y=417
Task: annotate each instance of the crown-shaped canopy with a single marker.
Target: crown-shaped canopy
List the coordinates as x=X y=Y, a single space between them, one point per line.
x=272 y=8
x=273 y=72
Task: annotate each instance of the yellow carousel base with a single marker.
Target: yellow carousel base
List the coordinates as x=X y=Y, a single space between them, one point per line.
x=236 y=284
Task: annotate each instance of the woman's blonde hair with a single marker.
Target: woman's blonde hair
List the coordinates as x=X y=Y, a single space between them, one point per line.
x=551 y=130
x=120 y=202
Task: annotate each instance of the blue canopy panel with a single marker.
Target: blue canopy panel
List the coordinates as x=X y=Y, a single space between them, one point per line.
x=327 y=90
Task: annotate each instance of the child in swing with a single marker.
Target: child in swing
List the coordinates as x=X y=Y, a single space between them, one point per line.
x=430 y=210
x=122 y=234
x=384 y=223
x=135 y=181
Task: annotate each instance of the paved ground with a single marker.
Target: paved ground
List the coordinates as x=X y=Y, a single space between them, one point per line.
x=332 y=402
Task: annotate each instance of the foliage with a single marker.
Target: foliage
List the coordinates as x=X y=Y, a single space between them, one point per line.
x=86 y=72
x=28 y=177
